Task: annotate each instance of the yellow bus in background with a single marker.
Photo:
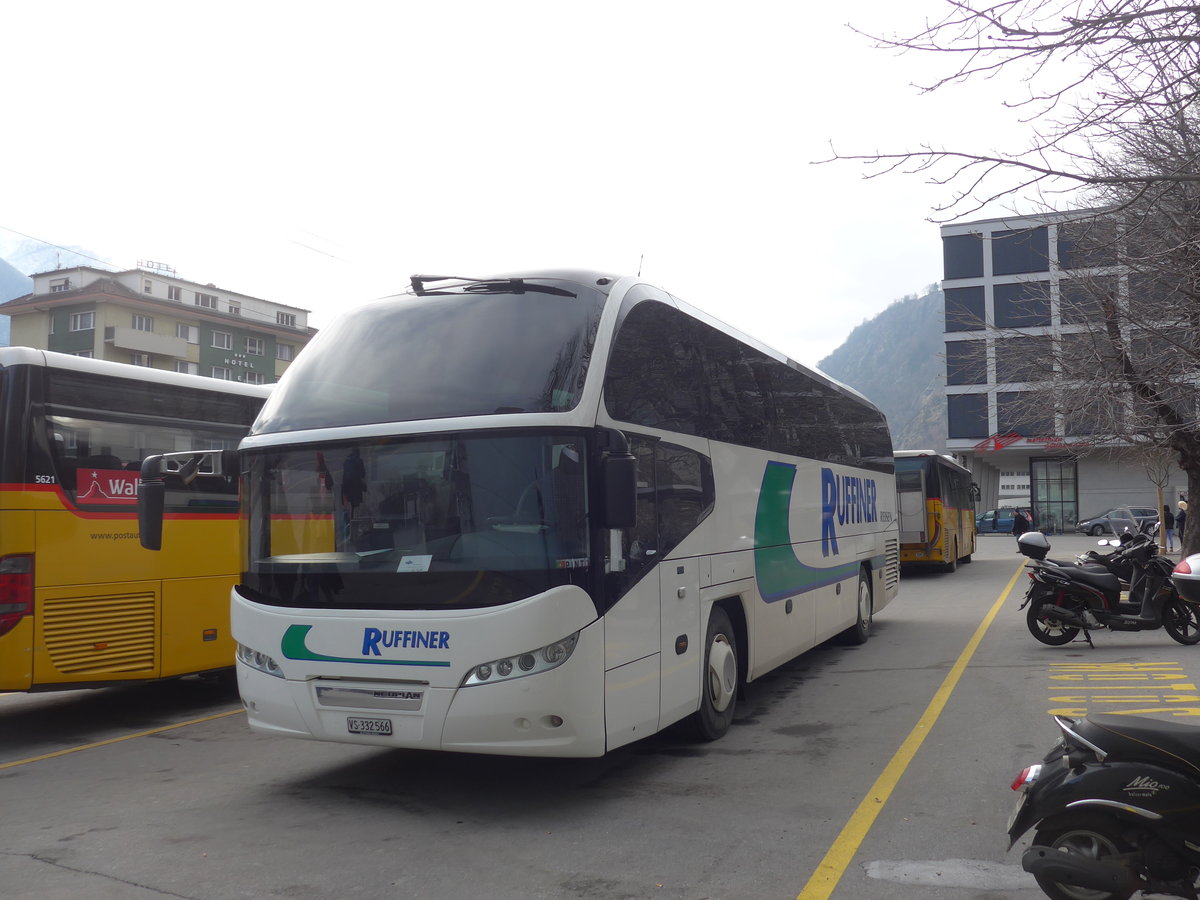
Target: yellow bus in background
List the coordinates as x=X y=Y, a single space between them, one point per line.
x=937 y=509
x=81 y=603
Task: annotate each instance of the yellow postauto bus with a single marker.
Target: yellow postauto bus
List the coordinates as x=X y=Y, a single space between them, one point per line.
x=937 y=512
x=81 y=603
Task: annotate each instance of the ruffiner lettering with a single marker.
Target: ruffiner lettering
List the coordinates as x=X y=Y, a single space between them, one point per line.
x=373 y=638
x=850 y=499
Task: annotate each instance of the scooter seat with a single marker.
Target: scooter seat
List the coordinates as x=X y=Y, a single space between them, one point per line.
x=1148 y=740
x=1100 y=580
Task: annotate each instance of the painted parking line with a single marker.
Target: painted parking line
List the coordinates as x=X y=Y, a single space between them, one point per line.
x=830 y=870
x=117 y=740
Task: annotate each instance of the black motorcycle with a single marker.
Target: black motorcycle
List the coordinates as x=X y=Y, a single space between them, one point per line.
x=1064 y=599
x=1116 y=803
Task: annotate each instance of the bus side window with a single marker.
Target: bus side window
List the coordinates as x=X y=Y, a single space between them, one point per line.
x=642 y=538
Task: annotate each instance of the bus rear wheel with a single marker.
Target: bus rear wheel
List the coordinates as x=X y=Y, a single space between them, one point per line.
x=951 y=564
x=857 y=634
x=719 y=679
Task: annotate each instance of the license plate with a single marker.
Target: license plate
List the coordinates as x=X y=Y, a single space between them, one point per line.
x=357 y=725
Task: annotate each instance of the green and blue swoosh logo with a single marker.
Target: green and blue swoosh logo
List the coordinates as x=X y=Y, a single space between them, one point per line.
x=778 y=571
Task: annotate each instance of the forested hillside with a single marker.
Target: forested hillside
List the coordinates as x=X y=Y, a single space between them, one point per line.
x=897 y=360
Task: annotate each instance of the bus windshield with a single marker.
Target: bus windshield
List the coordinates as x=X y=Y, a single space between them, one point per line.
x=429 y=523
x=406 y=358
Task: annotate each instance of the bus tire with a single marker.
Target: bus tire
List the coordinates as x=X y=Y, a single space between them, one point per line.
x=952 y=564
x=719 y=679
x=856 y=635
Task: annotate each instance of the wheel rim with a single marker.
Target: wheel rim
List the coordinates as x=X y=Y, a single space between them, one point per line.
x=864 y=605
x=722 y=673
x=1051 y=626
x=1184 y=620
x=1091 y=845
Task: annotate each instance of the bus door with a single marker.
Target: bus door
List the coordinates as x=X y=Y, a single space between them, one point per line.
x=910 y=492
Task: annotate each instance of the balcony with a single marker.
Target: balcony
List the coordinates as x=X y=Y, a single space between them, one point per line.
x=145 y=341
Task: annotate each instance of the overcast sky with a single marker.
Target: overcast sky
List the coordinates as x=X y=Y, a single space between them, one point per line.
x=319 y=154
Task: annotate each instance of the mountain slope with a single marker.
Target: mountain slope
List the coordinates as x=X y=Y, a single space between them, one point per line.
x=897 y=360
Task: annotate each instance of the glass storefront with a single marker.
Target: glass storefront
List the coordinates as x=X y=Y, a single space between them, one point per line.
x=1054 y=493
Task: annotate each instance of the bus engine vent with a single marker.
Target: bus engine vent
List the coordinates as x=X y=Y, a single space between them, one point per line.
x=891 y=569
x=97 y=635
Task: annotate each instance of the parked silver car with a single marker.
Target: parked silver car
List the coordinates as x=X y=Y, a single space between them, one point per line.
x=1117 y=520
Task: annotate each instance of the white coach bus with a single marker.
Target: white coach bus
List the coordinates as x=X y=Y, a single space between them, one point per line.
x=546 y=515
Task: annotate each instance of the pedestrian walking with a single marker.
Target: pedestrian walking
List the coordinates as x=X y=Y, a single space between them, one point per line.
x=1168 y=524
x=1020 y=523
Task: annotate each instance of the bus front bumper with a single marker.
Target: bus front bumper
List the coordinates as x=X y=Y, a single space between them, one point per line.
x=554 y=713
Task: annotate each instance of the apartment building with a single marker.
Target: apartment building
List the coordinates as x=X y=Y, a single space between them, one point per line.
x=148 y=316
x=1003 y=281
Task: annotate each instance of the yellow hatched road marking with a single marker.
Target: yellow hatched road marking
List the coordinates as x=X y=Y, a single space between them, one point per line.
x=833 y=866
x=118 y=740
x=1116 y=666
x=1128 y=698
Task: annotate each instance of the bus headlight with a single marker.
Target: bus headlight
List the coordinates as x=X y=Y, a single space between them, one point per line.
x=256 y=660
x=521 y=664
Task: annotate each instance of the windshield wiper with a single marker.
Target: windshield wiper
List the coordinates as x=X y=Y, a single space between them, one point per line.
x=485 y=286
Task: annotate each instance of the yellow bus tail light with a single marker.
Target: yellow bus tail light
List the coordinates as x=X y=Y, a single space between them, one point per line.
x=16 y=590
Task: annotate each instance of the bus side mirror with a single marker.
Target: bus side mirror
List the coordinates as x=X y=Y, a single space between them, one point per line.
x=619 y=472
x=152 y=493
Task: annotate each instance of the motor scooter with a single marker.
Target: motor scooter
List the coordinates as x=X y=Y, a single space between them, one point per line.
x=1116 y=805
x=1064 y=600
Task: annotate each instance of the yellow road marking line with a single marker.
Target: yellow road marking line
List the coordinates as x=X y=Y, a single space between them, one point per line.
x=117 y=740
x=830 y=870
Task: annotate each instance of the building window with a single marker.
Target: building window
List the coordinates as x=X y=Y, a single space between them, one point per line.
x=208 y=301
x=1021 y=250
x=966 y=362
x=254 y=346
x=967 y=415
x=1018 y=411
x=1021 y=305
x=189 y=333
x=962 y=256
x=1081 y=300
x=147 y=286
x=174 y=292
x=1024 y=358
x=140 y=359
x=282 y=318
x=143 y=323
x=284 y=352
x=187 y=368
x=235 y=309
x=222 y=373
x=964 y=309
x=58 y=285
x=254 y=378
x=86 y=354
x=1085 y=245
x=83 y=321
x=222 y=340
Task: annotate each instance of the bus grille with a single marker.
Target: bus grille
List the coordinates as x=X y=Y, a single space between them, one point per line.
x=891 y=569
x=97 y=635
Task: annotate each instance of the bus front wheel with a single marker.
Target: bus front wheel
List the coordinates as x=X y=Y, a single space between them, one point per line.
x=719 y=681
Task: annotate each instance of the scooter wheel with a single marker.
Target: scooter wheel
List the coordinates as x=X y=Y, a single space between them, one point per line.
x=1091 y=836
x=1182 y=622
x=1047 y=627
